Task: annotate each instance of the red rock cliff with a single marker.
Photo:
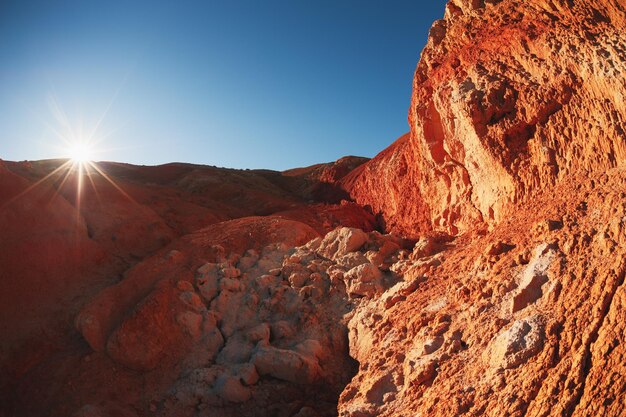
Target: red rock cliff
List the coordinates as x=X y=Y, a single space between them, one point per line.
x=509 y=97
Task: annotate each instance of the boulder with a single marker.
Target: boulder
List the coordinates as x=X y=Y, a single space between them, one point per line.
x=364 y=280
x=342 y=241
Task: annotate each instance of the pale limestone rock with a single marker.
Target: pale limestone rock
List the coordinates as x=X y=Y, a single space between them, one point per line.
x=364 y=280
x=533 y=278
x=418 y=369
x=247 y=373
x=282 y=329
x=230 y=271
x=298 y=279
x=516 y=345
x=342 y=241
x=229 y=284
x=352 y=259
x=260 y=333
x=237 y=349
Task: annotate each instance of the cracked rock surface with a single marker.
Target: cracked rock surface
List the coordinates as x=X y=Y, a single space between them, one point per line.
x=509 y=97
x=454 y=346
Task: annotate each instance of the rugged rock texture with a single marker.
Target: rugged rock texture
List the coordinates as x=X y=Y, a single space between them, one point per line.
x=196 y=291
x=516 y=144
x=509 y=97
x=451 y=339
x=99 y=259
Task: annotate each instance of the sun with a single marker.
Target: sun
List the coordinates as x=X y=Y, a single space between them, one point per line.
x=80 y=152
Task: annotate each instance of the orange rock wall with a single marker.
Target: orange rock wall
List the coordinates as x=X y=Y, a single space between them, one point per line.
x=508 y=97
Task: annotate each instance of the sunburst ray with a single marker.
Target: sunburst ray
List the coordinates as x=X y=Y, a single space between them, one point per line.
x=110 y=180
x=34 y=185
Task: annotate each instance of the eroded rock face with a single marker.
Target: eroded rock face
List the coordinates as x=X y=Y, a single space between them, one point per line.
x=388 y=184
x=534 y=277
x=516 y=345
x=509 y=97
x=224 y=335
x=437 y=335
x=446 y=341
x=517 y=125
x=341 y=242
x=516 y=145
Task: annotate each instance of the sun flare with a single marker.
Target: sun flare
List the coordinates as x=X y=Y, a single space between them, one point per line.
x=77 y=148
x=80 y=153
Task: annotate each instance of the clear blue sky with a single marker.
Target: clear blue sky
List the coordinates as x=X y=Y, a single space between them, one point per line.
x=243 y=84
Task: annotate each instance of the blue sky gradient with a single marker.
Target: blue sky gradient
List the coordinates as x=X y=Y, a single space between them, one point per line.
x=242 y=84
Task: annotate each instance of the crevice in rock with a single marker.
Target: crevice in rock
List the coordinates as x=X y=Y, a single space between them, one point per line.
x=587 y=362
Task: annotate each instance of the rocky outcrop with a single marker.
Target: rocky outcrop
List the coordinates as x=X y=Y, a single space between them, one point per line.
x=224 y=335
x=509 y=97
x=100 y=317
x=432 y=327
x=517 y=141
x=98 y=259
x=198 y=291
x=517 y=345
x=519 y=321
